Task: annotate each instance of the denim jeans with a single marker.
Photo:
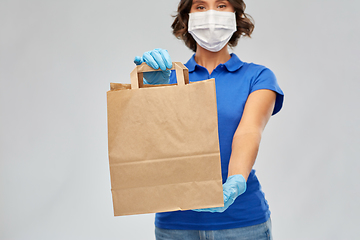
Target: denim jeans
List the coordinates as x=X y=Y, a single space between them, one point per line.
x=257 y=232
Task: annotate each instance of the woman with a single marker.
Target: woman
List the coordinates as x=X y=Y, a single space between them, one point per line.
x=247 y=95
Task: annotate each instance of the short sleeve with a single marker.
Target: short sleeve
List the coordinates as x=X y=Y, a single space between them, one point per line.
x=266 y=80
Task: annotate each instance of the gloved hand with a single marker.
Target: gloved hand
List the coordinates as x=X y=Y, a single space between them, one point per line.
x=157 y=58
x=234 y=186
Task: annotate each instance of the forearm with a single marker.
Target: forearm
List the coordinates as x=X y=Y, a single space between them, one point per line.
x=245 y=148
x=246 y=140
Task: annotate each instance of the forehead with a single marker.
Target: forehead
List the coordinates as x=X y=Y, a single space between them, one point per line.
x=208 y=1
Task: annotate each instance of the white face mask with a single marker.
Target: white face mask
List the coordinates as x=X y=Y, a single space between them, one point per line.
x=212 y=29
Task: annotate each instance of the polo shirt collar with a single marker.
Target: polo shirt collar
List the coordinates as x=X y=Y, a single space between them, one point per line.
x=191 y=64
x=232 y=65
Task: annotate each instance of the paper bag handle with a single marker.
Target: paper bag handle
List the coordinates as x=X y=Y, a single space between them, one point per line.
x=182 y=74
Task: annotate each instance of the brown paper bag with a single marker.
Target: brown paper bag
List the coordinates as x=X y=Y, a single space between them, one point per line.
x=163 y=145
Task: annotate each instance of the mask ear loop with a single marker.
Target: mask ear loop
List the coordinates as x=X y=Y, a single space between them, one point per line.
x=230 y=47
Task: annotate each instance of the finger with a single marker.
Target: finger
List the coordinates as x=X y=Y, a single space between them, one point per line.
x=226 y=192
x=138 y=60
x=226 y=198
x=150 y=60
x=166 y=57
x=228 y=202
x=204 y=210
x=158 y=58
x=197 y=210
x=212 y=210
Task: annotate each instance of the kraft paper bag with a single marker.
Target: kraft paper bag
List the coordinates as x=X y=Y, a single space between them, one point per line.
x=163 y=145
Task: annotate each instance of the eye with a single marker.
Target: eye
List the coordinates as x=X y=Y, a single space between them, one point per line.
x=222 y=6
x=200 y=7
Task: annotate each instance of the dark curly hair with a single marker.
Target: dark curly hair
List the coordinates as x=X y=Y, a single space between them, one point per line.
x=244 y=22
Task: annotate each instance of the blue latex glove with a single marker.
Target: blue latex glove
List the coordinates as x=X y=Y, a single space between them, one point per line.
x=157 y=58
x=234 y=186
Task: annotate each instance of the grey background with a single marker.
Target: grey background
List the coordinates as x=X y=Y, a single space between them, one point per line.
x=57 y=59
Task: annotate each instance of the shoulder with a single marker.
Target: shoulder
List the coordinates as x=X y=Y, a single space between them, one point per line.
x=263 y=78
x=248 y=70
x=256 y=70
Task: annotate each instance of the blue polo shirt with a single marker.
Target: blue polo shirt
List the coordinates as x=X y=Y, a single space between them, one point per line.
x=234 y=81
